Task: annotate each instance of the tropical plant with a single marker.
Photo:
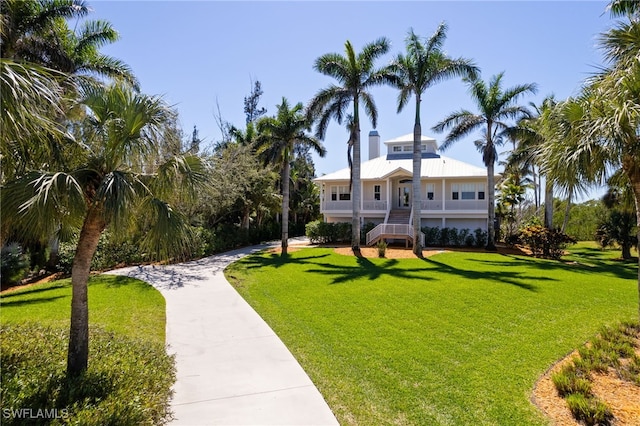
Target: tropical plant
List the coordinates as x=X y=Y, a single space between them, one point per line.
x=106 y=188
x=356 y=74
x=278 y=138
x=495 y=106
x=25 y=23
x=606 y=117
x=424 y=65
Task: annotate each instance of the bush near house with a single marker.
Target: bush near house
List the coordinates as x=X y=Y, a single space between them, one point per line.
x=454 y=237
x=320 y=232
x=545 y=242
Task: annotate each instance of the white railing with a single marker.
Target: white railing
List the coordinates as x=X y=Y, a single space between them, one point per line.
x=388 y=229
x=431 y=205
x=391 y=230
x=337 y=205
x=466 y=204
x=374 y=205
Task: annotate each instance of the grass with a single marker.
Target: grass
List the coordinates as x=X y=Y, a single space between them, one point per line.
x=129 y=377
x=123 y=305
x=457 y=338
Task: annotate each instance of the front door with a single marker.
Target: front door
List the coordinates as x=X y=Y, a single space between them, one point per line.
x=404 y=194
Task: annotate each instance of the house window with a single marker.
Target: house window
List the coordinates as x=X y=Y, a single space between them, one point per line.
x=343 y=193
x=468 y=191
x=430 y=191
x=407 y=148
x=455 y=191
x=376 y=192
x=340 y=193
x=423 y=148
x=397 y=149
x=480 y=191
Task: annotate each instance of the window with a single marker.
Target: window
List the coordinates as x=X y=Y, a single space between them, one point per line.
x=455 y=191
x=397 y=149
x=480 y=191
x=343 y=193
x=423 y=148
x=376 y=192
x=468 y=191
x=407 y=148
x=430 y=191
x=340 y=193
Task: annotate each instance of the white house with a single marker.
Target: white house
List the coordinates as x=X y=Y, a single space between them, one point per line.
x=453 y=193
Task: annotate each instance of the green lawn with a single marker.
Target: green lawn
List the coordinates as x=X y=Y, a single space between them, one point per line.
x=126 y=306
x=455 y=339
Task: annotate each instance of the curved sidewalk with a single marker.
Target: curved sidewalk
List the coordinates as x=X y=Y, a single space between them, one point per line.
x=232 y=369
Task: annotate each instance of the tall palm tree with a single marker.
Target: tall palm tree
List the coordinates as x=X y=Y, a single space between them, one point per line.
x=424 y=65
x=278 y=139
x=495 y=107
x=78 y=53
x=356 y=74
x=606 y=117
x=24 y=23
x=105 y=188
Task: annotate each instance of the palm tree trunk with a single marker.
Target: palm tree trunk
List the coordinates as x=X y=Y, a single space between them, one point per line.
x=548 y=203
x=634 y=178
x=357 y=193
x=491 y=244
x=78 y=354
x=286 y=169
x=567 y=210
x=417 y=163
x=536 y=202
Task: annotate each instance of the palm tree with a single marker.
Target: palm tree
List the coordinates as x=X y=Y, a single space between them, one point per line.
x=24 y=23
x=278 y=139
x=424 y=65
x=606 y=117
x=78 y=54
x=30 y=97
x=105 y=188
x=356 y=74
x=495 y=106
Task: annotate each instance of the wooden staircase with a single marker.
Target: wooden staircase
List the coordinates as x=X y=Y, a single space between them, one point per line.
x=399 y=216
x=397 y=227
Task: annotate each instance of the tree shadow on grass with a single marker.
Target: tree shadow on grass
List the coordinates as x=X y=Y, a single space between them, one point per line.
x=368 y=270
x=34 y=289
x=13 y=303
x=507 y=275
x=585 y=265
x=277 y=260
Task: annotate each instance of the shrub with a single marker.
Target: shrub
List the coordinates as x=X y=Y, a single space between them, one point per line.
x=431 y=235
x=544 y=242
x=571 y=380
x=128 y=381
x=454 y=237
x=481 y=237
x=382 y=248
x=590 y=410
x=463 y=234
x=327 y=233
x=444 y=237
x=14 y=264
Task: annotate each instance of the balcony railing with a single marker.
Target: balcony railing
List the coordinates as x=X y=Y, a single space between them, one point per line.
x=391 y=230
x=466 y=205
x=337 y=205
x=429 y=205
x=374 y=205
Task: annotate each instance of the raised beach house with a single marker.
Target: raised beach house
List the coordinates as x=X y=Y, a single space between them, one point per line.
x=453 y=193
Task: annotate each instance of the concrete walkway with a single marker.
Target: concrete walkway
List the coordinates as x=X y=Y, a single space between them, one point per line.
x=232 y=369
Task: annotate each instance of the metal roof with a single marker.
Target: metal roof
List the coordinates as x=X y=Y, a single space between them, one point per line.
x=382 y=167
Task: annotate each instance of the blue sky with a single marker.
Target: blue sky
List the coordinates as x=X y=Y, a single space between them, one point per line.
x=196 y=52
